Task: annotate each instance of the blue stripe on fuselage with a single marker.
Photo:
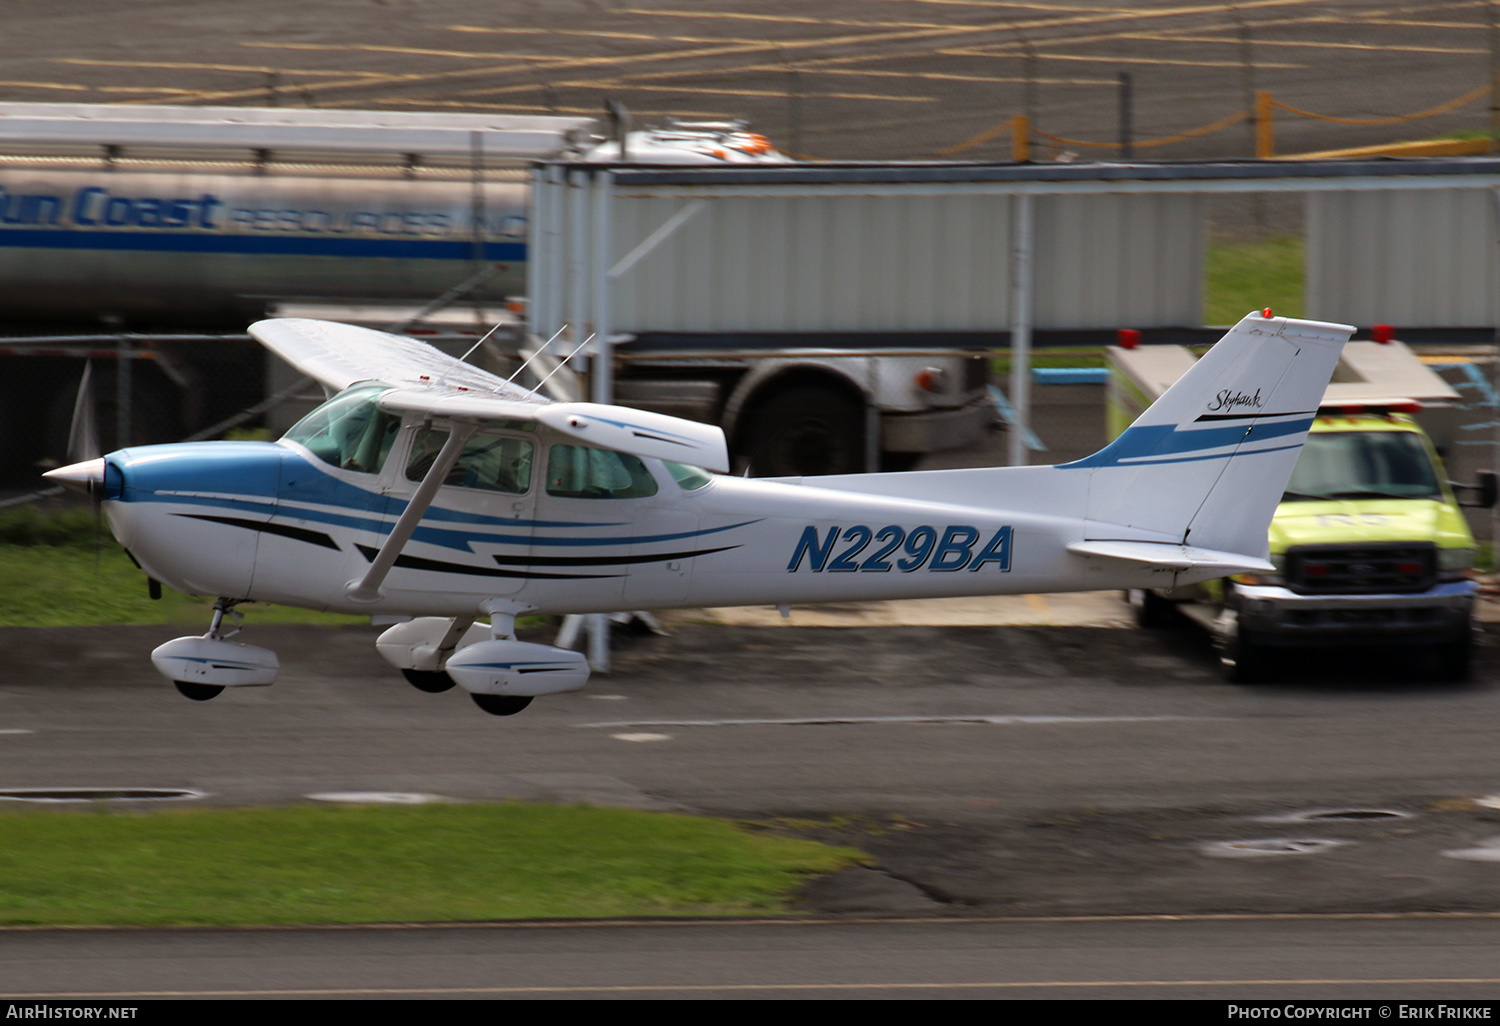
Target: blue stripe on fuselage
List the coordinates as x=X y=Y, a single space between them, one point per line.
x=217 y=475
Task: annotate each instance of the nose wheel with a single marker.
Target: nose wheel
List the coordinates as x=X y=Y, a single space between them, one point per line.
x=200 y=668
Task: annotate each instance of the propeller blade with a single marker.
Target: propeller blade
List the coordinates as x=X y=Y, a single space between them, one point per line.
x=83 y=433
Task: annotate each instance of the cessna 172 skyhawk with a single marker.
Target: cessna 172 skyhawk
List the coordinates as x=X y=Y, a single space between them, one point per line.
x=428 y=488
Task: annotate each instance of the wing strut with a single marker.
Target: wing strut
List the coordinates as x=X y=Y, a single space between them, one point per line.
x=367 y=589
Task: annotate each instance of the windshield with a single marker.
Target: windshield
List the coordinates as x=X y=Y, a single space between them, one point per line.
x=349 y=431
x=1363 y=465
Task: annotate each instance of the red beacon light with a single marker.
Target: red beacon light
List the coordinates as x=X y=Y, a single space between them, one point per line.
x=1128 y=338
x=1382 y=333
x=1266 y=313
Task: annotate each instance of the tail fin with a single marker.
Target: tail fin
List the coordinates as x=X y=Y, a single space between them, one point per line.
x=1206 y=464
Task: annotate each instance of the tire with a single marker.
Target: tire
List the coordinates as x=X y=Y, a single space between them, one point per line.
x=1245 y=660
x=1453 y=659
x=434 y=682
x=501 y=705
x=806 y=431
x=199 y=692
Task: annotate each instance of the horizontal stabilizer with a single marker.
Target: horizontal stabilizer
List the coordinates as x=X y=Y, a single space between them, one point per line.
x=1165 y=556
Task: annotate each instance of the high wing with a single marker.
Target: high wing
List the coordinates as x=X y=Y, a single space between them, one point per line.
x=426 y=380
x=338 y=355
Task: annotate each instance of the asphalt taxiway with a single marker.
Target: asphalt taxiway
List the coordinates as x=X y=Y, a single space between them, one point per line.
x=1050 y=810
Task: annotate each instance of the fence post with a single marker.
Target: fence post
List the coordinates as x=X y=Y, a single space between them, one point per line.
x=1494 y=140
x=1265 y=128
x=124 y=358
x=1020 y=138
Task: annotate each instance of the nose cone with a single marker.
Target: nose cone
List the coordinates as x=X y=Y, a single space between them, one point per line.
x=85 y=478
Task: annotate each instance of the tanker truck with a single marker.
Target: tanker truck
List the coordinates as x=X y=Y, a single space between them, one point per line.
x=145 y=238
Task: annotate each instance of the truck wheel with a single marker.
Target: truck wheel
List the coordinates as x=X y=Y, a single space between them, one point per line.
x=1244 y=660
x=806 y=431
x=1453 y=658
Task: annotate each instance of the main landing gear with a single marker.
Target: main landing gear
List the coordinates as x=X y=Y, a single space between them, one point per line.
x=434 y=682
x=501 y=705
x=202 y=667
x=500 y=673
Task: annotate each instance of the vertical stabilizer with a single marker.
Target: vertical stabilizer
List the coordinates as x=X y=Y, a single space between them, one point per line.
x=1207 y=463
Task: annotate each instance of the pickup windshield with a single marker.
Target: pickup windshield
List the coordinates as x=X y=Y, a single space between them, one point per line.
x=1363 y=465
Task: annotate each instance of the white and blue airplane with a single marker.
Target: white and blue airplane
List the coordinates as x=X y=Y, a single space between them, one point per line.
x=429 y=489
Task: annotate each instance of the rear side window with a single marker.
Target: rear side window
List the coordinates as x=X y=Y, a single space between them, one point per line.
x=578 y=472
x=688 y=478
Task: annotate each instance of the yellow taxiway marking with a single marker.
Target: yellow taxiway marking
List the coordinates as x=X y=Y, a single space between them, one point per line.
x=70 y=86
x=1012 y=51
x=700 y=988
x=783 y=19
x=644 y=37
x=147 y=89
x=414 y=51
x=1309 y=44
x=532 y=108
x=259 y=69
x=916 y=35
x=936 y=76
x=698 y=87
x=1404 y=23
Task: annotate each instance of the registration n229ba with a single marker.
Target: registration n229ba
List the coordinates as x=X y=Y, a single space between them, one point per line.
x=881 y=550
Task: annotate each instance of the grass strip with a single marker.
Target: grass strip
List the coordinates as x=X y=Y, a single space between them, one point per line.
x=66 y=585
x=1245 y=276
x=361 y=864
x=58 y=568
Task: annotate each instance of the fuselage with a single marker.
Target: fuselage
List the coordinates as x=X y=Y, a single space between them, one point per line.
x=277 y=522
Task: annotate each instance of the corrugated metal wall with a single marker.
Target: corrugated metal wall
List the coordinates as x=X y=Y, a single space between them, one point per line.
x=1111 y=261
x=920 y=261
x=1412 y=257
x=906 y=263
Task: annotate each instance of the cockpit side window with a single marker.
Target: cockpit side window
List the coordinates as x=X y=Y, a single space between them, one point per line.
x=579 y=472
x=688 y=478
x=489 y=462
x=349 y=431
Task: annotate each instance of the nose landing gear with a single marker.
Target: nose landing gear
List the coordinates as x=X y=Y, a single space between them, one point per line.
x=202 y=667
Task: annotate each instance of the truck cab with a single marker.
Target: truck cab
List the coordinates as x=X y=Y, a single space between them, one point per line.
x=1369 y=542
